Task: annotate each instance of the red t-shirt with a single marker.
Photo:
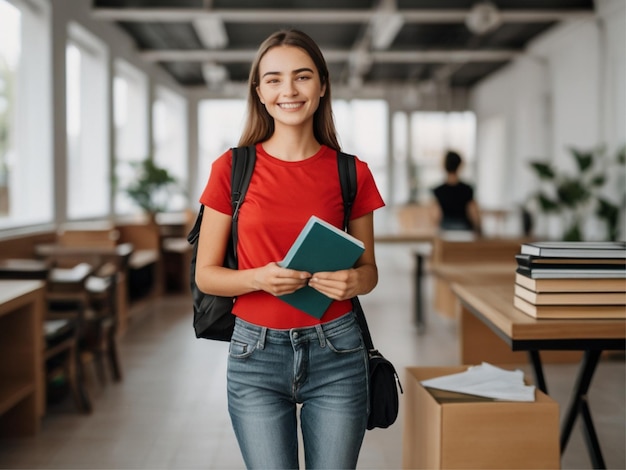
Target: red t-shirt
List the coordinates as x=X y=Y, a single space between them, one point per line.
x=280 y=199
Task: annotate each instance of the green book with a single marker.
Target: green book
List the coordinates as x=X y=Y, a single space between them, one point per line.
x=319 y=247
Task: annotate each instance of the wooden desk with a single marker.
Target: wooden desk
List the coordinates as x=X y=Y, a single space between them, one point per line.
x=493 y=306
x=447 y=274
x=477 y=343
x=22 y=396
x=425 y=235
x=48 y=250
x=475 y=257
x=19 y=268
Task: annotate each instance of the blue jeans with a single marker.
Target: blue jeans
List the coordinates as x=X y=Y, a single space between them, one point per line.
x=323 y=368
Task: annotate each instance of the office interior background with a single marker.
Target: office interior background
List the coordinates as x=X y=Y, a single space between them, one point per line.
x=89 y=89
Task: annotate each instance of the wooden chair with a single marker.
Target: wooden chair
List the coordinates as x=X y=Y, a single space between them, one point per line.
x=101 y=322
x=68 y=301
x=62 y=332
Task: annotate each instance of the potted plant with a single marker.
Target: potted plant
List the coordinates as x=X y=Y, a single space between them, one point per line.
x=577 y=196
x=152 y=188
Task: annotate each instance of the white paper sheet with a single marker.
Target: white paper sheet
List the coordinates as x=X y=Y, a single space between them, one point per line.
x=488 y=381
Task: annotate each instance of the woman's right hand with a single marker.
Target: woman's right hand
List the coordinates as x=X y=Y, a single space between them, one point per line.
x=276 y=280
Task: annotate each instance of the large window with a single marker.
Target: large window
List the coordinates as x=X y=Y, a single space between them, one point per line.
x=25 y=108
x=220 y=123
x=88 y=175
x=362 y=126
x=130 y=111
x=431 y=135
x=169 y=130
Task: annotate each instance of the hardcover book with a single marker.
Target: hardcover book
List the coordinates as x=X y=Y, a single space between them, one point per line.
x=575 y=249
x=571 y=273
x=571 y=285
x=539 y=262
x=571 y=298
x=569 y=311
x=319 y=247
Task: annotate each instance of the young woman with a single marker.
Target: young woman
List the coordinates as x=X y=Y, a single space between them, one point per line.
x=281 y=357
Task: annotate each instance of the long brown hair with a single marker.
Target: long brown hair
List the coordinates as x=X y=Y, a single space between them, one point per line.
x=259 y=124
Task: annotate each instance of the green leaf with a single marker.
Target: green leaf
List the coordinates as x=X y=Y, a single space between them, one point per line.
x=607 y=210
x=573 y=233
x=547 y=204
x=572 y=192
x=583 y=159
x=544 y=170
x=609 y=213
x=598 y=181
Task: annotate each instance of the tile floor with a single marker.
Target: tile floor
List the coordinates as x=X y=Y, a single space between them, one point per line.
x=170 y=410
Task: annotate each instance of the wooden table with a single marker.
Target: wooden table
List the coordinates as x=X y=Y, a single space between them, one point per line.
x=493 y=306
x=22 y=395
x=18 y=268
x=119 y=255
x=425 y=235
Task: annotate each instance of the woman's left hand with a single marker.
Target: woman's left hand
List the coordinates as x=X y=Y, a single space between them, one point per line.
x=338 y=285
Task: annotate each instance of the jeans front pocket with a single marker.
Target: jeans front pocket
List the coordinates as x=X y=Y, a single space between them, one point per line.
x=240 y=349
x=348 y=340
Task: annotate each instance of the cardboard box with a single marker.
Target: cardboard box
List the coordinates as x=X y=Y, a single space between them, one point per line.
x=445 y=430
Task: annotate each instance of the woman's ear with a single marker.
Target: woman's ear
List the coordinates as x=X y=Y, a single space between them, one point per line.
x=323 y=92
x=259 y=95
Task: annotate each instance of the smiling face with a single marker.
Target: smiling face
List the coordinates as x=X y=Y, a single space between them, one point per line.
x=289 y=86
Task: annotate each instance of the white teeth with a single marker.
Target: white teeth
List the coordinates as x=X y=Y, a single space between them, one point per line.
x=290 y=105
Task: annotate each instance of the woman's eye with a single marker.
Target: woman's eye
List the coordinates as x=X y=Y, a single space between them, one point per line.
x=303 y=77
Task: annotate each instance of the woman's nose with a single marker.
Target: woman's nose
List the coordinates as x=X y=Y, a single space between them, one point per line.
x=290 y=89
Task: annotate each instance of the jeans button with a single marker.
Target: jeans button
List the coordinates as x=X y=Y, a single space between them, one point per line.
x=296 y=335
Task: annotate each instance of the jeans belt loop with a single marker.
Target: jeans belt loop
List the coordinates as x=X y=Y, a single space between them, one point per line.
x=320 y=335
x=262 y=336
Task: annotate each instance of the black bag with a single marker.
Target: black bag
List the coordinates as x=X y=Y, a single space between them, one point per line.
x=212 y=314
x=383 y=379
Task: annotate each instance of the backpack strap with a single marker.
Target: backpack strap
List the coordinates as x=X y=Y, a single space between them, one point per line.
x=347 y=178
x=244 y=159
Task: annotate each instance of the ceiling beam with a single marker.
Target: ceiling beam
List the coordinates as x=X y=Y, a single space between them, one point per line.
x=247 y=55
x=300 y=16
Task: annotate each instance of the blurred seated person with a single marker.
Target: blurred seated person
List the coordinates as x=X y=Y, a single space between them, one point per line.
x=456 y=209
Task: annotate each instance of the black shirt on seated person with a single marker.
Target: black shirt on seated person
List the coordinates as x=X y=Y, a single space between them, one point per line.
x=453 y=200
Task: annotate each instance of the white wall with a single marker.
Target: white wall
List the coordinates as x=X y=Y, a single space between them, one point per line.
x=567 y=90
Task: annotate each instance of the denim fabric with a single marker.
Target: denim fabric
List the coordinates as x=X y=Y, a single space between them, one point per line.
x=323 y=368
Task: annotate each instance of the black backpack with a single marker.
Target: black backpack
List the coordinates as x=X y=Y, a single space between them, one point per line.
x=212 y=314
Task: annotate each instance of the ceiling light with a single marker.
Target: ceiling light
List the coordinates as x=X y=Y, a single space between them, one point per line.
x=385 y=24
x=215 y=75
x=211 y=31
x=385 y=28
x=483 y=17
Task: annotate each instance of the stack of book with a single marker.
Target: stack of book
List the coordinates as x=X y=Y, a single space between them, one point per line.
x=571 y=279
